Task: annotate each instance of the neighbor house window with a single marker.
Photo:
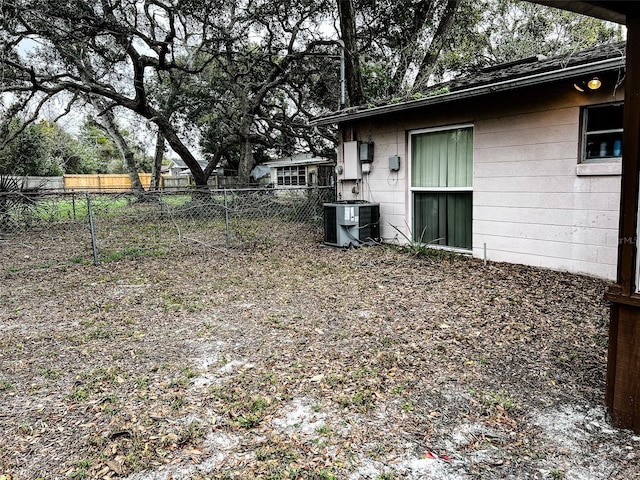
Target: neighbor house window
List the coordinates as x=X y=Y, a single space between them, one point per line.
x=442 y=186
x=292 y=175
x=602 y=133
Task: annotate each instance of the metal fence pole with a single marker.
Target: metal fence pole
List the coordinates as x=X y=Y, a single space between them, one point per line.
x=226 y=219
x=93 y=233
x=73 y=203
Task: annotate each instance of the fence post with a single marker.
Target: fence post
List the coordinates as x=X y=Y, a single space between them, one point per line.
x=93 y=233
x=226 y=219
x=73 y=203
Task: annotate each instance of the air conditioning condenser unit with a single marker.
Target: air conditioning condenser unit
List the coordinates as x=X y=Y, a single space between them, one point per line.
x=351 y=223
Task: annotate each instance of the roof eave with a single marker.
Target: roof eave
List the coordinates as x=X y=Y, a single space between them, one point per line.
x=471 y=92
x=604 y=10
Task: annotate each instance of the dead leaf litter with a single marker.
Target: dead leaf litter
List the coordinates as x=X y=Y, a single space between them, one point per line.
x=297 y=360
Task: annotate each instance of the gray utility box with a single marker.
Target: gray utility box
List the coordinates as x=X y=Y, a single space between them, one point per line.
x=351 y=223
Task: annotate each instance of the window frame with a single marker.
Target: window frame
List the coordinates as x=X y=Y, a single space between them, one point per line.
x=413 y=190
x=288 y=174
x=585 y=133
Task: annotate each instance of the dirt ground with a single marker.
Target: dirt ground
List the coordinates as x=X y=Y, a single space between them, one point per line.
x=296 y=360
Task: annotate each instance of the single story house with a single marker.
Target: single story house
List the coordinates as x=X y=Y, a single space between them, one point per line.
x=518 y=163
x=299 y=170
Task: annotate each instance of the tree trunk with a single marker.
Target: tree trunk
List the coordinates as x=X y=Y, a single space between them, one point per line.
x=246 y=162
x=156 y=169
x=408 y=49
x=429 y=60
x=108 y=123
x=170 y=135
x=352 y=61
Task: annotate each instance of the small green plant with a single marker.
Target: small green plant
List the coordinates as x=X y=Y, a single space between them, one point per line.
x=386 y=476
x=5 y=385
x=408 y=407
x=501 y=399
x=362 y=399
x=440 y=91
x=378 y=450
x=324 y=475
x=418 y=247
x=79 y=259
x=556 y=474
x=177 y=403
x=49 y=373
x=324 y=430
x=80 y=394
x=81 y=473
x=25 y=429
x=248 y=421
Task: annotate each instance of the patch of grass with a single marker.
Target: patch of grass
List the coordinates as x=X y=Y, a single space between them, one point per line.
x=601 y=340
x=365 y=372
x=82 y=470
x=178 y=402
x=80 y=394
x=408 y=406
x=362 y=400
x=49 y=373
x=5 y=385
x=333 y=380
x=179 y=302
x=191 y=433
x=248 y=421
x=132 y=252
x=80 y=260
x=324 y=474
x=92 y=382
x=501 y=399
x=25 y=429
x=11 y=269
x=387 y=476
x=324 y=430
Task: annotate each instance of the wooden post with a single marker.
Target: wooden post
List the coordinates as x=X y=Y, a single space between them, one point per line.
x=623 y=371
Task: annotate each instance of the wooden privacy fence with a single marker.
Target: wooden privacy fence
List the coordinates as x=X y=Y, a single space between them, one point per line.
x=103 y=182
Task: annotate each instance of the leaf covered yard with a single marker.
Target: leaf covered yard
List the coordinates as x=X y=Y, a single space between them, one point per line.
x=293 y=360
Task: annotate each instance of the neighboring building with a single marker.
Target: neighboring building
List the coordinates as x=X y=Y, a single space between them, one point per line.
x=521 y=161
x=300 y=170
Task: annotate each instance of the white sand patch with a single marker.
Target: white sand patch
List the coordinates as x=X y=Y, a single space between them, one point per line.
x=408 y=468
x=210 y=354
x=299 y=417
x=223 y=445
x=568 y=426
x=234 y=365
x=571 y=430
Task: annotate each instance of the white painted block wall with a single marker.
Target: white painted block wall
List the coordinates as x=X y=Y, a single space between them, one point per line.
x=530 y=204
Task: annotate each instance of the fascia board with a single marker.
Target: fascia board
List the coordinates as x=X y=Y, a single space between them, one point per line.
x=472 y=92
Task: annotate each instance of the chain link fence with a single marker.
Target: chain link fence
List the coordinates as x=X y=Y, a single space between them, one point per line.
x=115 y=225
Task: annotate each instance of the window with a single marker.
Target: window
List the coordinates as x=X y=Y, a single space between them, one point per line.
x=602 y=133
x=292 y=175
x=442 y=186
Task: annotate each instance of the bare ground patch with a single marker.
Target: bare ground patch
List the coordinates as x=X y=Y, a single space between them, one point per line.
x=296 y=360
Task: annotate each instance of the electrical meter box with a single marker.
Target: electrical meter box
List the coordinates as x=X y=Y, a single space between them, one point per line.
x=366 y=152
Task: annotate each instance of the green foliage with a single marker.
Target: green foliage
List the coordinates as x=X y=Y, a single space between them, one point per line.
x=46 y=149
x=482 y=33
x=498 y=31
x=30 y=152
